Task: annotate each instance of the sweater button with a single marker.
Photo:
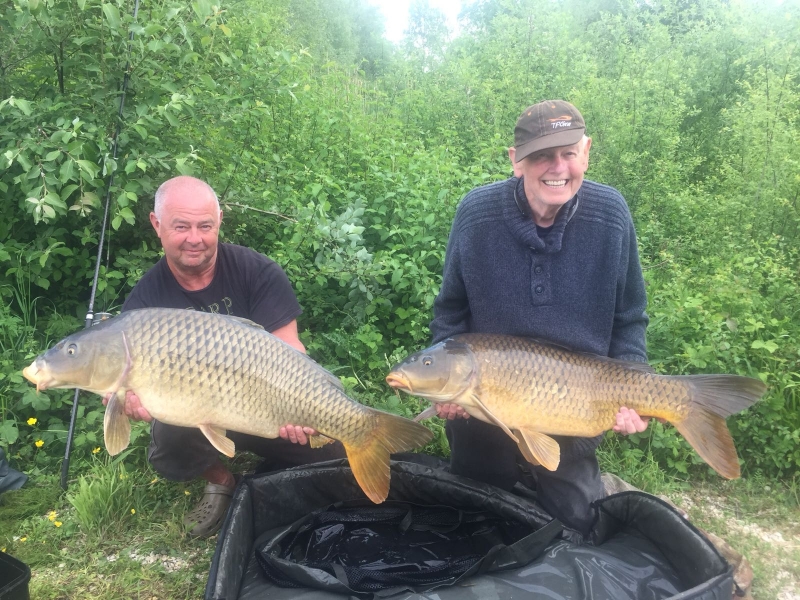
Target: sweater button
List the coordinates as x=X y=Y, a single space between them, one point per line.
x=539 y=289
x=538 y=269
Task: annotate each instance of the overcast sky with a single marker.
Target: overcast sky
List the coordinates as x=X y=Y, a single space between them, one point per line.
x=396 y=13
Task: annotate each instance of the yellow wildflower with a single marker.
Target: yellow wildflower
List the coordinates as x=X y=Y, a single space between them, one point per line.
x=187 y=492
x=23 y=538
x=133 y=511
x=52 y=515
x=155 y=480
x=96 y=450
x=32 y=421
x=57 y=523
x=39 y=443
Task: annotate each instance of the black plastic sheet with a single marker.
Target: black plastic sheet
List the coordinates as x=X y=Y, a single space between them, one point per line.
x=638 y=549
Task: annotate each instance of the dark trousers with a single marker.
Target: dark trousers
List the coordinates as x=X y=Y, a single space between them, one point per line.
x=184 y=453
x=484 y=452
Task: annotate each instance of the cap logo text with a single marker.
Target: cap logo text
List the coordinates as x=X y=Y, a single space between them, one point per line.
x=561 y=121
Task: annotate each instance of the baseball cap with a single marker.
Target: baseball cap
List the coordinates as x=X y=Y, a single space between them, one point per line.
x=548 y=124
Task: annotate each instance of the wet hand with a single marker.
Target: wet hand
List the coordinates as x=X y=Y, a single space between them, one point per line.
x=132 y=407
x=297 y=434
x=451 y=411
x=629 y=421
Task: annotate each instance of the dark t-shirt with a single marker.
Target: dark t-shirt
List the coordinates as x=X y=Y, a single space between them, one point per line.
x=246 y=284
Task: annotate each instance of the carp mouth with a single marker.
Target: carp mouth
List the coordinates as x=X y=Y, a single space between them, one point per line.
x=398 y=381
x=37 y=376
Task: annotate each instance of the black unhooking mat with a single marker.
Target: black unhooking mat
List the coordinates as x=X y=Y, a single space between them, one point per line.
x=308 y=533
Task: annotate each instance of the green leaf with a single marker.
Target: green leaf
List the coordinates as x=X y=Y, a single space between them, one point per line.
x=9 y=432
x=112 y=14
x=172 y=120
x=21 y=104
x=52 y=155
x=88 y=167
x=67 y=170
x=769 y=346
x=128 y=215
x=116 y=222
x=225 y=30
x=54 y=199
x=82 y=4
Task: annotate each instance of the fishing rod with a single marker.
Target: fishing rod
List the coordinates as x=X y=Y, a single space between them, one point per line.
x=90 y=314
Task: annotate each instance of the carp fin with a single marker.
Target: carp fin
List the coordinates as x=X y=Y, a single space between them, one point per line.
x=319 y=440
x=708 y=434
x=244 y=321
x=492 y=419
x=526 y=452
x=426 y=414
x=322 y=370
x=116 y=425
x=216 y=435
x=369 y=459
x=630 y=364
x=544 y=449
x=715 y=397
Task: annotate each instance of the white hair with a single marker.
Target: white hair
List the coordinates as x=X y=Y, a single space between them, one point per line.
x=163 y=190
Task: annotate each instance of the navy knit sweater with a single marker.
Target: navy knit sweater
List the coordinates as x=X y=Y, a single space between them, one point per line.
x=580 y=287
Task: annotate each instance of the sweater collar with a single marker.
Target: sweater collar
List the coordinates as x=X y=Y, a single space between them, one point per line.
x=519 y=220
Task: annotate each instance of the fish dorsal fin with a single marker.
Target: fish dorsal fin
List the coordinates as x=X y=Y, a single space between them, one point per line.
x=542 y=447
x=244 y=321
x=116 y=425
x=629 y=364
x=334 y=380
x=491 y=418
x=220 y=441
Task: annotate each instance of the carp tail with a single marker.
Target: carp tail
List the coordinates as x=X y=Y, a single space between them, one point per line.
x=716 y=397
x=369 y=460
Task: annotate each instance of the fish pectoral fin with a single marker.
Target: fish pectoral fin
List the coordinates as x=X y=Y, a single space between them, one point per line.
x=541 y=447
x=116 y=425
x=491 y=418
x=426 y=414
x=319 y=440
x=526 y=452
x=220 y=441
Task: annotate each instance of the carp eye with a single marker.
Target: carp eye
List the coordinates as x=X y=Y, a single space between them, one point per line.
x=412 y=359
x=427 y=361
x=72 y=349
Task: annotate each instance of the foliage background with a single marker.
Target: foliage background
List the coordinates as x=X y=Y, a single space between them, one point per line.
x=343 y=157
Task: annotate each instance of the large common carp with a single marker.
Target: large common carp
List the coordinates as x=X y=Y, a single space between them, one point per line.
x=221 y=373
x=532 y=390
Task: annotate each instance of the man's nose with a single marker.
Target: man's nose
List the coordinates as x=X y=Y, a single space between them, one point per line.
x=557 y=162
x=194 y=236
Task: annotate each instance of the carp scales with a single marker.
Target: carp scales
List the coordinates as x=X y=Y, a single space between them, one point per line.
x=220 y=373
x=533 y=390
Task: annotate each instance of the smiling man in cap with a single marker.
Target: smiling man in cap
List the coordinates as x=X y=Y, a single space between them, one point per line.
x=550 y=255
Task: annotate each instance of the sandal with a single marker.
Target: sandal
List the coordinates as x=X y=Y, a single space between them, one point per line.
x=206 y=518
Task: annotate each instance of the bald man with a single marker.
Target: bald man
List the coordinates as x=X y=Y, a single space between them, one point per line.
x=198 y=272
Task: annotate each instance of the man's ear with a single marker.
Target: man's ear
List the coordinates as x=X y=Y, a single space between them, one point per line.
x=154 y=222
x=515 y=166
